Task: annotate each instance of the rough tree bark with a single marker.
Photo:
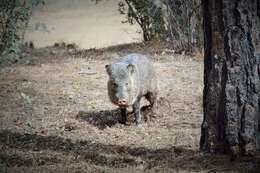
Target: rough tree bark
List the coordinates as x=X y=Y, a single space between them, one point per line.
x=231 y=98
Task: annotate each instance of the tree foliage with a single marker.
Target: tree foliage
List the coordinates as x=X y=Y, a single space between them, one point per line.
x=148 y=14
x=14 y=18
x=179 y=20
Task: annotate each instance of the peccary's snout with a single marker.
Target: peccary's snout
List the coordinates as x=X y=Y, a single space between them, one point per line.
x=122 y=103
x=122 y=98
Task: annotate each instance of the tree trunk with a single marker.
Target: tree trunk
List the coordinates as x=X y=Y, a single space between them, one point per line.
x=231 y=98
x=256 y=30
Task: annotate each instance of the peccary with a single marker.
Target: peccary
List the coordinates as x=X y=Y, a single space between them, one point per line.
x=131 y=78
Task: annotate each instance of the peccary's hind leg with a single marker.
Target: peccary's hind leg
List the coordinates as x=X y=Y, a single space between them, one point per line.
x=137 y=113
x=152 y=98
x=123 y=116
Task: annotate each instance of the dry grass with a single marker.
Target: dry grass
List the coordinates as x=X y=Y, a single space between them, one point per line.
x=56 y=117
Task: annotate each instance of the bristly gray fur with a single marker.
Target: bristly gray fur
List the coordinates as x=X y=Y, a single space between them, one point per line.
x=130 y=78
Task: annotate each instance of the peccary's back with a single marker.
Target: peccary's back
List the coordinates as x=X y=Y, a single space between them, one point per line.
x=146 y=76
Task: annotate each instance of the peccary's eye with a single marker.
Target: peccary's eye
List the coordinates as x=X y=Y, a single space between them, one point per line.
x=126 y=83
x=115 y=85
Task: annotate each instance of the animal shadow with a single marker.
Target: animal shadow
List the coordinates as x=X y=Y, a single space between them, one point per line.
x=101 y=119
x=108 y=118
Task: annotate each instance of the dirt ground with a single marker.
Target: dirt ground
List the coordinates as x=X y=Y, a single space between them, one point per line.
x=55 y=116
x=81 y=21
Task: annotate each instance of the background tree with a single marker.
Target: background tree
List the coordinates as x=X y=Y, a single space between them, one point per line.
x=175 y=20
x=231 y=99
x=147 y=14
x=184 y=22
x=14 y=18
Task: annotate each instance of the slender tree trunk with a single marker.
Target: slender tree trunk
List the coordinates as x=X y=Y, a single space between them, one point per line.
x=231 y=98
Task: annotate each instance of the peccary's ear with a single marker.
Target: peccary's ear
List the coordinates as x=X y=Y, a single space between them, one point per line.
x=131 y=68
x=108 y=69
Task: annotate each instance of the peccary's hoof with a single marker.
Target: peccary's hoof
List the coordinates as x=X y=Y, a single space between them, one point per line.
x=138 y=124
x=122 y=121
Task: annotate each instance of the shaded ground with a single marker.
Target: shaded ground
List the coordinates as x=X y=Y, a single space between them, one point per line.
x=56 y=117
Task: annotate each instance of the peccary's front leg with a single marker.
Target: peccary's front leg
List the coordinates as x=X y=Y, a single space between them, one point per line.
x=123 y=115
x=137 y=113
